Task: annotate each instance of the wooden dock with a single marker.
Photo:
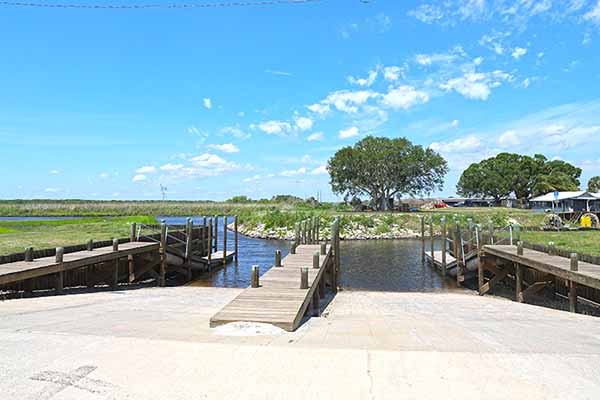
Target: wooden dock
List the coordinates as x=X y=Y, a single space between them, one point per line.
x=24 y=270
x=282 y=296
x=498 y=261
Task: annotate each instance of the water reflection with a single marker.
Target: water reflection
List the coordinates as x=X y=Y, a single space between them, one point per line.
x=381 y=265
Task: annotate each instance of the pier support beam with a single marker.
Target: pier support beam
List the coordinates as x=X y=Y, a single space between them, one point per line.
x=573 y=285
x=163 y=255
x=59 y=277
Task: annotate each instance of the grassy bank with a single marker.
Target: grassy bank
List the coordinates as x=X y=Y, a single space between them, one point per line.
x=585 y=242
x=16 y=235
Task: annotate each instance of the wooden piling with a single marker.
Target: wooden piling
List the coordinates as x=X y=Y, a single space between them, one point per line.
x=423 y=239
x=444 y=243
x=304 y=278
x=90 y=245
x=277 y=258
x=163 y=255
x=235 y=237
x=491 y=231
x=216 y=233
x=431 y=242
x=225 y=218
x=458 y=255
x=115 y=279
x=255 y=277
x=573 y=285
x=29 y=254
x=316 y=260
x=469 y=238
x=519 y=283
x=59 y=277
x=209 y=241
x=189 y=250
x=115 y=244
x=323 y=249
x=519 y=248
x=132 y=232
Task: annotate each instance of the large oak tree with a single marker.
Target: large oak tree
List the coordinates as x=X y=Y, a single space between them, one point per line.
x=525 y=176
x=381 y=168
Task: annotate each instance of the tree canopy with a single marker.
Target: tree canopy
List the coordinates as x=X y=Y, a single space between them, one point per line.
x=594 y=185
x=381 y=168
x=525 y=176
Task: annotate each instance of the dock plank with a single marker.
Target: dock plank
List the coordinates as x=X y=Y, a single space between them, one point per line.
x=279 y=299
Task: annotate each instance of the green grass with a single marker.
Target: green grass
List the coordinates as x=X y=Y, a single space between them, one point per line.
x=584 y=242
x=16 y=235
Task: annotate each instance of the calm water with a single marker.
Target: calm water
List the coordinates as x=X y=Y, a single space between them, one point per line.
x=384 y=265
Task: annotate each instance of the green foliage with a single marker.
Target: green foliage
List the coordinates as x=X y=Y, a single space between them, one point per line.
x=594 y=185
x=525 y=176
x=381 y=168
x=240 y=199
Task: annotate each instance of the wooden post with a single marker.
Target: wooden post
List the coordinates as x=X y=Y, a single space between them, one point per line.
x=510 y=234
x=115 y=280
x=90 y=245
x=469 y=235
x=459 y=251
x=59 y=277
x=29 y=254
x=278 y=258
x=517 y=232
x=519 y=248
x=189 y=250
x=323 y=249
x=423 y=240
x=519 y=283
x=444 y=243
x=304 y=232
x=225 y=218
x=304 y=278
x=163 y=255
x=432 y=242
x=491 y=231
x=316 y=307
x=551 y=249
x=318 y=229
x=309 y=223
x=132 y=232
x=297 y=233
x=235 y=237
x=216 y=233
x=573 y=285
x=255 y=278
x=293 y=248
x=209 y=240
x=316 y=261
x=130 y=268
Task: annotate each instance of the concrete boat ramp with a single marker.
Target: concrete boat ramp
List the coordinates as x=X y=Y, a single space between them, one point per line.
x=155 y=343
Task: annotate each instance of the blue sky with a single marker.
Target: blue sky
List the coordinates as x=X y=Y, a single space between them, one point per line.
x=109 y=104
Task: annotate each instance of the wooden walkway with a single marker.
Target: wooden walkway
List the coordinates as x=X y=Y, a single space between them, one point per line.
x=587 y=274
x=279 y=300
x=21 y=270
x=437 y=259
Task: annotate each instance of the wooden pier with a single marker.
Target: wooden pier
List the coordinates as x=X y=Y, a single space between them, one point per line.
x=292 y=288
x=149 y=253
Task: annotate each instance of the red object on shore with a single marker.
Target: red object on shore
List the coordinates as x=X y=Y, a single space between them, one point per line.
x=440 y=205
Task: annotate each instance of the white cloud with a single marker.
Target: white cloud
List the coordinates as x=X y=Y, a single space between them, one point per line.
x=207 y=103
x=147 y=169
x=295 y=172
x=320 y=109
x=225 y=147
x=314 y=137
x=52 y=190
x=349 y=101
x=466 y=144
x=54 y=172
x=594 y=14
x=140 y=178
x=508 y=139
x=519 y=52
x=348 y=133
x=321 y=170
x=364 y=82
x=280 y=73
x=526 y=82
x=404 y=97
x=304 y=123
x=275 y=127
x=171 y=167
x=429 y=59
x=104 y=175
x=208 y=160
x=392 y=73
x=252 y=179
x=235 y=132
x=476 y=85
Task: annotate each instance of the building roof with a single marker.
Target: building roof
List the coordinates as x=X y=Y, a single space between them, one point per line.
x=548 y=197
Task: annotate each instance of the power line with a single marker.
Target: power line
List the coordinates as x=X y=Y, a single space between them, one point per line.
x=146 y=6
